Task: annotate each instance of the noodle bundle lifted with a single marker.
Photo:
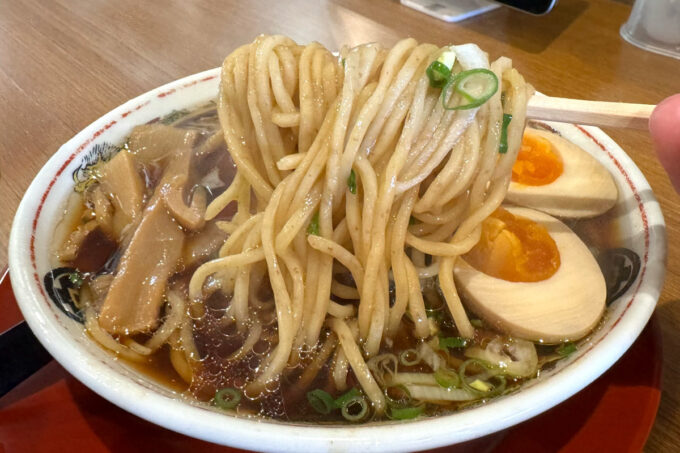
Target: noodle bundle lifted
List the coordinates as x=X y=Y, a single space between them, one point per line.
x=371 y=118
x=292 y=251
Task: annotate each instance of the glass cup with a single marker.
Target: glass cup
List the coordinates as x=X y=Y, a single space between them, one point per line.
x=654 y=25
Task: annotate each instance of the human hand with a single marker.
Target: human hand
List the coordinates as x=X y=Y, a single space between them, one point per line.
x=664 y=126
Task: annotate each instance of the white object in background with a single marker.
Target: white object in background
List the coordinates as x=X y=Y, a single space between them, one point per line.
x=654 y=25
x=451 y=10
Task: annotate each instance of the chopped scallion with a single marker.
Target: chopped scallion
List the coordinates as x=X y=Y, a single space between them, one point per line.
x=342 y=399
x=321 y=401
x=503 y=147
x=352 y=182
x=447 y=378
x=313 y=227
x=480 y=385
x=476 y=86
x=354 y=409
x=227 y=398
x=76 y=279
x=404 y=413
x=452 y=342
x=438 y=73
x=409 y=357
x=566 y=349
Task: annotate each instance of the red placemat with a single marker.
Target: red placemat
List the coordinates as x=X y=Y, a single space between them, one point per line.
x=53 y=412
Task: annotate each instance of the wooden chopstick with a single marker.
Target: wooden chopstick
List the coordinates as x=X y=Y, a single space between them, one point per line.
x=593 y=113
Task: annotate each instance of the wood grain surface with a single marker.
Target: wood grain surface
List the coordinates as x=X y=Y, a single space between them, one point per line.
x=64 y=63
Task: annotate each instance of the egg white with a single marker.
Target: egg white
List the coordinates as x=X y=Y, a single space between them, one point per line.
x=584 y=189
x=564 y=307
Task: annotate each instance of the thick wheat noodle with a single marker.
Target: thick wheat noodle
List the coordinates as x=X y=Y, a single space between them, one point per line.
x=236 y=239
x=291 y=161
x=172 y=322
x=339 y=370
x=444 y=248
x=254 y=332
x=313 y=368
x=205 y=270
x=356 y=361
x=341 y=254
x=299 y=219
x=344 y=291
x=105 y=339
x=340 y=311
x=239 y=300
x=453 y=177
x=279 y=356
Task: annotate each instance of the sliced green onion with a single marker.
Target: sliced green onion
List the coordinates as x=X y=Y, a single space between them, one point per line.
x=566 y=349
x=313 y=227
x=409 y=357
x=352 y=182
x=503 y=147
x=497 y=389
x=459 y=83
x=452 y=342
x=481 y=386
x=76 y=279
x=343 y=62
x=438 y=73
x=321 y=401
x=447 y=378
x=342 y=399
x=227 y=398
x=404 y=413
x=354 y=409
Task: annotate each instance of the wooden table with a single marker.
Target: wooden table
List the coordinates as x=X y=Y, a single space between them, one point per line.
x=65 y=63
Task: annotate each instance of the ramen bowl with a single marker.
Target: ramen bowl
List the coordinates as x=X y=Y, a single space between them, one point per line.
x=633 y=291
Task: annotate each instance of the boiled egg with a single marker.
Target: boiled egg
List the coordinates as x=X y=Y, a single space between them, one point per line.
x=553 y=175
x=532 y=277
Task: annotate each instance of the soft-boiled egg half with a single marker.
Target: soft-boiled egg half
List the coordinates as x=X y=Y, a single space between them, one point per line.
x=555 y=176
x=532 y=277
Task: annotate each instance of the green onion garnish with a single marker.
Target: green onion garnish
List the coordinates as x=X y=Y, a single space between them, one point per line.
x=465 y=82
x=476 y=387
x=227 y=398
x=566 y=349
x=404 y=413
x=343 y=399
x=438 y=73
x=503 y=147
x=76 y=279
x=321 y=401
x=352 y=182
x=477 y=323
x=313 y=227
x=452 y=342
x=447 y=378
x=354 y=409
x=409 y=357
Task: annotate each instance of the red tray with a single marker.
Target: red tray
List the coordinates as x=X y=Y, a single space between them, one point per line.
x=53 y=412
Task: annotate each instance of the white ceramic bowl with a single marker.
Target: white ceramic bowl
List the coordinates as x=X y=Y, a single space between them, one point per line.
x=642 y=230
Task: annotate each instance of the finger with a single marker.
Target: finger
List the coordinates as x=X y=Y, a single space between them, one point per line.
x=664 y=126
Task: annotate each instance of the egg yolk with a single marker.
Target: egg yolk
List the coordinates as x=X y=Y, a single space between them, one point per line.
x=537 y=163
x=515 y=249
